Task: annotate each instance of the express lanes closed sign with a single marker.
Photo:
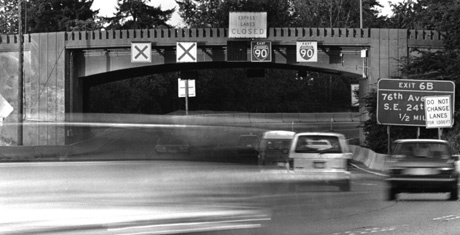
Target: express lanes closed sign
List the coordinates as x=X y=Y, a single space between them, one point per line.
x=247 y=25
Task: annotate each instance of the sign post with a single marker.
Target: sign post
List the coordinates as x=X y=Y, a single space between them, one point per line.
x=186 y=89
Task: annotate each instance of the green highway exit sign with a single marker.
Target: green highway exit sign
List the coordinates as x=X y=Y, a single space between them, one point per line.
x=402 y=101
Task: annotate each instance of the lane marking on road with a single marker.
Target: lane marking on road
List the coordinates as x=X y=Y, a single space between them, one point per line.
x=368 y=171
x=369 y=184
x=448 y=217
x=368 y=230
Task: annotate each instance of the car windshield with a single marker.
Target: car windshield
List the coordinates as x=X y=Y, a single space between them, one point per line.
x=421 y=151
x=318 y=144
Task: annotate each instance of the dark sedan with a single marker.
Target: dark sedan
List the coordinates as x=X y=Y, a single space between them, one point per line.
x=422 y=166
x=172 y=145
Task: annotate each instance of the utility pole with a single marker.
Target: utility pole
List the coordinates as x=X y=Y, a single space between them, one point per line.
x=360 y=14
x=20 y=76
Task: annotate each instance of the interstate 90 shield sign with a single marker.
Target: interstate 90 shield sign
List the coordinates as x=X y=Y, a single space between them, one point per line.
x=261 y=51
x=307 y=51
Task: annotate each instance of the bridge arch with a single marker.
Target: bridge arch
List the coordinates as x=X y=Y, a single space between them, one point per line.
x=113 y=76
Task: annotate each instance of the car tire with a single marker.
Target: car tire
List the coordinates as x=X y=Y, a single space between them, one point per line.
x=391 y=194
x=345 y=187
x=454 y=194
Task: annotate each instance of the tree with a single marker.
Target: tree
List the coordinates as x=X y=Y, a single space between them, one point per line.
x=215 y=14
x=283 y=13
x=48 y=16
x=8 y=16
x=336 y=13
x=60 y=15
x=137 y=14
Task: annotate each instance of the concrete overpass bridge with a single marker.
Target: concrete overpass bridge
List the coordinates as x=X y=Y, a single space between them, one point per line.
x=60 y=67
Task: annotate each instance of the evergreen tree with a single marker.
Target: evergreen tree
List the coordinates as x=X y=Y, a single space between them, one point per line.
x=60 y=15
x=137 y=14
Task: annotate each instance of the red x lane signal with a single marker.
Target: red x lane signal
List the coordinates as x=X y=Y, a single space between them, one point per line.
x=141 y=52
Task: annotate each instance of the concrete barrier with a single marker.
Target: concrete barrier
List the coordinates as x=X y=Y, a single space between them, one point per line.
x=355 y=117
x=307 y=117
x=241 y=118
x=257 y=118
x=274 y=117
x=290 y=117
x=324 y=117
x=371 y=159
x=342 y=117
x=33 y=153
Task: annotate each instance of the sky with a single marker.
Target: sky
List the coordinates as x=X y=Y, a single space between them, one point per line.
x=107 y=7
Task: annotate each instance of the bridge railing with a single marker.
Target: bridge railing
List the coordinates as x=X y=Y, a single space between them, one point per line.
x=114 y=38
x=219 y=36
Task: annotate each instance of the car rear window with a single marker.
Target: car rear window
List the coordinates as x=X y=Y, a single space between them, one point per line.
x=278 y=144
x=435 y=151
x=318 y=144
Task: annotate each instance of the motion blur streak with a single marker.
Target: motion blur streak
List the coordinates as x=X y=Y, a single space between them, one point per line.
x=182 y=228
x=129 y=197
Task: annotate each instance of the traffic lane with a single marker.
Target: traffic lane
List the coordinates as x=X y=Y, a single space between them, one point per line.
x=143 y=196
x=121 y=197
x=135 y=195
x=212 y=143
x=322 y=210
x=205 y=144
x=101 y=195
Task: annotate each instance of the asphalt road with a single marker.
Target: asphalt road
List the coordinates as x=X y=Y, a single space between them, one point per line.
x=172 y=197
x=132 y=190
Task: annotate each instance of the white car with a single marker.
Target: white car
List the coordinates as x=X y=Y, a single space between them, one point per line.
x=321 y=157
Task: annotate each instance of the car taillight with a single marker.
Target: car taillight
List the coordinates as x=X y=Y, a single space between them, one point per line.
x=446 y=169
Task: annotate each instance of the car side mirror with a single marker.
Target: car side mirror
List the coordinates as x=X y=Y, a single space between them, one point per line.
x=456 y=157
